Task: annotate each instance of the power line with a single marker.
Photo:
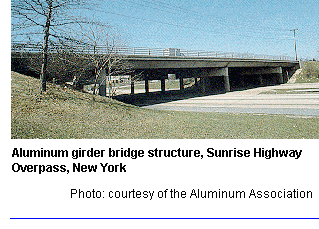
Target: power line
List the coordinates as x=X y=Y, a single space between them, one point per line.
x=201 y=15
x=198 y=15
x=187 y=27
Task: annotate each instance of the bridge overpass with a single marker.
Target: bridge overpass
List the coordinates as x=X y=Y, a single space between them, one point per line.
x=212 y=73
x=210 y=70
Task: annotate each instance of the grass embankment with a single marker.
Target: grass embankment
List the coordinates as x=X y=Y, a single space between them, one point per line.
x=309 y=73
x=64 y=113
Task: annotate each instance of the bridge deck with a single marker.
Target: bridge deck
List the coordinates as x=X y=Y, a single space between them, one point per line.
x=209 y=69
x=156 y=62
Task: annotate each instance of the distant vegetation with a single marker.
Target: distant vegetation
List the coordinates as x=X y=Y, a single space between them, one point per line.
x=309 y=73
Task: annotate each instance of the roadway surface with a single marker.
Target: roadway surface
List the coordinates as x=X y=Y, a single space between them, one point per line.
x=287 y=99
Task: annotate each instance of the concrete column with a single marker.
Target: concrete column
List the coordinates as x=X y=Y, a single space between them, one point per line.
x=162 y=85
x=147 y=88
x=203 y=84
x=260 y=79
x=181 y=83
x=226 y=83
x=226 y=79
x=220 y=72
x=132 y=87
x=280 y=76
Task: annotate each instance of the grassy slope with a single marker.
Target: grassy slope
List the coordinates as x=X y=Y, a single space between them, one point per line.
x=63 y=113
x=309 y=73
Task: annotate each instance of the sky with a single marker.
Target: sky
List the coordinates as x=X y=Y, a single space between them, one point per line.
x=259 y=27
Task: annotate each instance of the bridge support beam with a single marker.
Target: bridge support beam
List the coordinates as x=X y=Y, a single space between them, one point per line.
x=147 y=88
x=280 y=76
x=181 y=83
x=260 y=79
x=207 y=75
x=261 y=71
x=226 y=83
x=163 y=85
x=203 y=82
x=132 y=87
x=221 y=72
x=272 y=75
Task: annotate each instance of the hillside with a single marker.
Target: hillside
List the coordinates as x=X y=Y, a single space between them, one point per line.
x=309 y=73
x=64 y=113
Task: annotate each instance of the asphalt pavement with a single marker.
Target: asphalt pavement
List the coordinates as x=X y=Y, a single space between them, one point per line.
x=289 y=99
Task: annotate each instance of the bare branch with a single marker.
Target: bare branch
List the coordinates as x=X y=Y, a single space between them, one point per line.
x=72 y=44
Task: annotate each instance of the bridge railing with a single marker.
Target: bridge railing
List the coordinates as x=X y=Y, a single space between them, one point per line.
x=142 y=51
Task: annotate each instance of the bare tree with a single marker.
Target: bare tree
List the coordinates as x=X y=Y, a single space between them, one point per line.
x=99 y=48
x=49 y=19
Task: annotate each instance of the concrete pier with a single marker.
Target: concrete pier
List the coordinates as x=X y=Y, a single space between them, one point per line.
x=132 y=87
x=147 y=88
x=213 y=74
x=181 y=83
x=163 y=85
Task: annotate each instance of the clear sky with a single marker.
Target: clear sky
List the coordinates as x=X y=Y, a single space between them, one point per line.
x=260 y=27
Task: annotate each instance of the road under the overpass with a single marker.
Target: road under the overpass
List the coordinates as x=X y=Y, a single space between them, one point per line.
x=288 y=99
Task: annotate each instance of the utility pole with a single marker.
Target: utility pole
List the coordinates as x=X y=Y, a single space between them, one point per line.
x=294 y=30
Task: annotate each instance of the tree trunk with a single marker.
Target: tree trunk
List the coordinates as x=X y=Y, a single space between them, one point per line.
x=109 y=79
x=44 y=67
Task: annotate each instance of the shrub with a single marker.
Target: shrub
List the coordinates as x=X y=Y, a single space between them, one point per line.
x=311 y=70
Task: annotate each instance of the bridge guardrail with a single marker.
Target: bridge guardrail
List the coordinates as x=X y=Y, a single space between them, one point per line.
x=142 y=51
